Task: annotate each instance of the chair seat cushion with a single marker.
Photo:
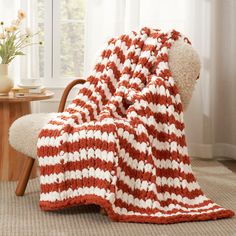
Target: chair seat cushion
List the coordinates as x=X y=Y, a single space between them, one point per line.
x=23 y=133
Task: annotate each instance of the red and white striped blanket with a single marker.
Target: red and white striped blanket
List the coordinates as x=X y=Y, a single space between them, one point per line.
x=121 y=143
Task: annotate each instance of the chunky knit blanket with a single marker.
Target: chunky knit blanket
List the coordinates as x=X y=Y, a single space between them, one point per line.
x=121 y=143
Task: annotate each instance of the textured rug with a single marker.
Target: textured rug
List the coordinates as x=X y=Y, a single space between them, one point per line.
x=22 y=215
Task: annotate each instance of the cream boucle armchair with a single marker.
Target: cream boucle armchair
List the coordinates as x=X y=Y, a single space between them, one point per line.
x=184 y=64
x=23 y=135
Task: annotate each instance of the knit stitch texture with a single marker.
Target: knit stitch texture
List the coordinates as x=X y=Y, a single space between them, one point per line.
x=121 y=142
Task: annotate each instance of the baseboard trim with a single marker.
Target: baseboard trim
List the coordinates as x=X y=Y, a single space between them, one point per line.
x=212 y=151
x=200 y=150
x=225 y=150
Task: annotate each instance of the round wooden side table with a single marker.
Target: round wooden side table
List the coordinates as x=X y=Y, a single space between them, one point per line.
x=11 y=108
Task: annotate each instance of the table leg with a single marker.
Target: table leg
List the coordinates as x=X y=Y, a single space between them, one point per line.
x=11 y=161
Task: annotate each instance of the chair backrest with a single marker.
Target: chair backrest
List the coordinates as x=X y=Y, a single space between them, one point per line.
x=66 y=92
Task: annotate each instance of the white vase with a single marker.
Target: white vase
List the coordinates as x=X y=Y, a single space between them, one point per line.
x=6 y=84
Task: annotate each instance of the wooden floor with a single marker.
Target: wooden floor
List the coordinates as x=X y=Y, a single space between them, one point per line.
x=230 y=164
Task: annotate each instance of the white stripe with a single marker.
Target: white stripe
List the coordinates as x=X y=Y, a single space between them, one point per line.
x=83 y=154
x=172 y=164
x=56 y=196
x=123 y=211
x=78 y=174
x=53 y=127
x=129 y=199
x=49 y=141
x=151 y=41
x=176 y=182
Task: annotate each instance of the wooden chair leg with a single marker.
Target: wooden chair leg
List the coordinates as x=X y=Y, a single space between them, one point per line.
x=24 y=177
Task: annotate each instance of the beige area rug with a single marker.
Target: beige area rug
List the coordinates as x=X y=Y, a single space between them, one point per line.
x=22 y=216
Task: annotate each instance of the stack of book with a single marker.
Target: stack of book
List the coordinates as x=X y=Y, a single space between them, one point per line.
x=23 y=91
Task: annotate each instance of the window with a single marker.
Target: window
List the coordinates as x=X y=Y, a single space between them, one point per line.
x=61 y=23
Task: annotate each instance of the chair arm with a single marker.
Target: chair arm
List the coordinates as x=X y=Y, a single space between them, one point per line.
x=66 y=93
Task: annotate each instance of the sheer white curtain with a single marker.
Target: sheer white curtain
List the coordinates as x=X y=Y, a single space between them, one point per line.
x=8 y=11
x=29 y=66
x=210 y=25
x=105 y=19
x=24 y=67
x=224 y=97
x=30 y=62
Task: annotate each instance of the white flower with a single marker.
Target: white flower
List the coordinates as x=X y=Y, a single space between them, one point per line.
x=28 y=32
x=2 y=36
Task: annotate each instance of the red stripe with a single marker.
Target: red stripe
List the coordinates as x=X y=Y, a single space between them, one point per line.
x=116 y=72
x=106 y=53
x=75 y=184
x=77 y=165
x=49 y=133
x=120 y=54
